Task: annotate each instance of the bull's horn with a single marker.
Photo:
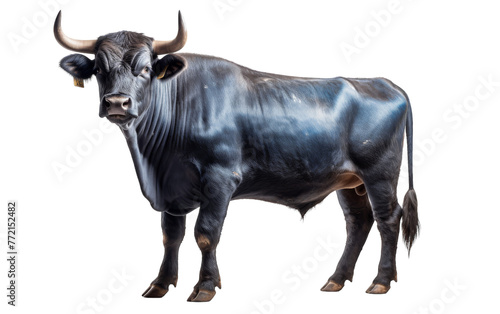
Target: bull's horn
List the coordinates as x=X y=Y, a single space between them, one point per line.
x=85 y=46
x=162 y=47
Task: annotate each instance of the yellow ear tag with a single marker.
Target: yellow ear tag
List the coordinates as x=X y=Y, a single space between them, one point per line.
x=78 y=82
x=162 y=74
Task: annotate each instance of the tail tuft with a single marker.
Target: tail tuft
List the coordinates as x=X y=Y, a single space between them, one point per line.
x=411 y=225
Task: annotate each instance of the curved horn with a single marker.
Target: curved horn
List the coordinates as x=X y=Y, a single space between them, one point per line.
x=85 y=46
x=162 y=47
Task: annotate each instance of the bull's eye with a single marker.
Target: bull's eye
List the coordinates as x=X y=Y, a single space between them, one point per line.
x=98 y=70
x=145 y=70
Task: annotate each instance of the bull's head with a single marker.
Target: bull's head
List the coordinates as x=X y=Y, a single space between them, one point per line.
x=125 y=64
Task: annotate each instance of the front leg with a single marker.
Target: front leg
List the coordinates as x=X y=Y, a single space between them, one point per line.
x=207 y=232
x=173 y=228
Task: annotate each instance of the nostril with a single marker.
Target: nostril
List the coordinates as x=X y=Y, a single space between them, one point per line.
x=107 y=104
x=126 y=104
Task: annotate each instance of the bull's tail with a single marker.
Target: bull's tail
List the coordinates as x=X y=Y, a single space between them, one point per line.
x=410 y=223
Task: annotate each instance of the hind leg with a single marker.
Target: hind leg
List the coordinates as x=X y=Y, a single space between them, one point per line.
x=359 y=221
x=387 y=213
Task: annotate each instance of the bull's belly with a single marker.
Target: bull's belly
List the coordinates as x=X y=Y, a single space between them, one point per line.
x=295 y=193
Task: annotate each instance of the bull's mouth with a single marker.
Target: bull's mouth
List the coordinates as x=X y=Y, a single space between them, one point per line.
x=121 y=119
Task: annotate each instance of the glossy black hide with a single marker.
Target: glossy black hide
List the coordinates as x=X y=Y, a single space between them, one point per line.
x=210 y=131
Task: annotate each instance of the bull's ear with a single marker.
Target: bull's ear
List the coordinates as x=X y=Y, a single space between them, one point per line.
x=79 y=66
x=169 y=66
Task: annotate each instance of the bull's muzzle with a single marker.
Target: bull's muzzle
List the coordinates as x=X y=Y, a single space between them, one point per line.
x=117 y=105
x=117 y=108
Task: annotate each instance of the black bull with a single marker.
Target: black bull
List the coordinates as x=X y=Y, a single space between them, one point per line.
x=203 y=131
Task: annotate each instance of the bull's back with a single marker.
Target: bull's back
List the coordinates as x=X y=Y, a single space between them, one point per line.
x=319 y=123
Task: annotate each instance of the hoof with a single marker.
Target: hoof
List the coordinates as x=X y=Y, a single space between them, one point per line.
x=201 y=295
x=332 y=286
x=377 y=288
x=154 y=291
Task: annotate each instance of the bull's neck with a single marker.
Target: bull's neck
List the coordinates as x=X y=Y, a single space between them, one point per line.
x=152 y=136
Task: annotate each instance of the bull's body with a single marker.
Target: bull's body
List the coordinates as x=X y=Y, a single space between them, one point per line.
x=203 y=131
x=282 y=139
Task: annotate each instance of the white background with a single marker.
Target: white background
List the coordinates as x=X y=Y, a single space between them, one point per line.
x=79 y=230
